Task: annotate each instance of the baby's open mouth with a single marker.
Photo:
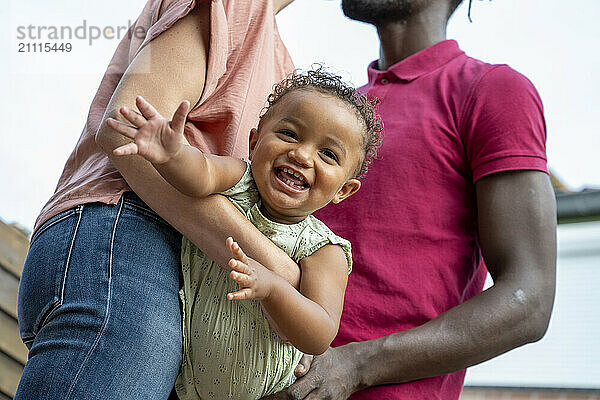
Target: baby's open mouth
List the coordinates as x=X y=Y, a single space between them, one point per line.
x=291 y=178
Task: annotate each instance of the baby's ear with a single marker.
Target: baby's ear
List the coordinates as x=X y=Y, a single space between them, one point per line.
x=253 y=139
x=348 y=189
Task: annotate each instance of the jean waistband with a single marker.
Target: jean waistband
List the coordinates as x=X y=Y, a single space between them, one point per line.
x=131 y=197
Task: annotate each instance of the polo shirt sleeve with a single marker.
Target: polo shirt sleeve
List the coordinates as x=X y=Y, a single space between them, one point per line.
x=503 y=124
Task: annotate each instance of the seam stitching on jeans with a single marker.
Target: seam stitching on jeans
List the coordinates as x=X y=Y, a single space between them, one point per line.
x=62 y=287
x=64 y=280
x=105 y=322
x=136 y=205
x=48 y=314
x=28 y=339
x=45 y=227
x=147 y=212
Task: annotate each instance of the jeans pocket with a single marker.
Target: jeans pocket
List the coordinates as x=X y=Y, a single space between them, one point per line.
x=42 y=285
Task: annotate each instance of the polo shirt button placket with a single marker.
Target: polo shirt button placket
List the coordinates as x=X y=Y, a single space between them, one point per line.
x=380 y=87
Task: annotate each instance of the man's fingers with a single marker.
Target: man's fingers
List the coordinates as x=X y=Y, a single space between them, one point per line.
x=124 y=129
x=300 y=389
x=126 y=149
x=304 y=388
x=178 y=122
x=147 y=109
x=303 y=366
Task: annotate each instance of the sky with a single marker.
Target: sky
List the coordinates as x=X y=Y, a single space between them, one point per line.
x=46 y=96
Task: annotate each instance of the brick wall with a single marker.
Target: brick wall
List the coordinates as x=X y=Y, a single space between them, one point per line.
x=481 y=393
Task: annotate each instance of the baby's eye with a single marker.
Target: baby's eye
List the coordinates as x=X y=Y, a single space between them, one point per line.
x=329 y=154
x=287 y=134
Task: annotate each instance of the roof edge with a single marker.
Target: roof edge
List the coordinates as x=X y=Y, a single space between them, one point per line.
x=578 y=207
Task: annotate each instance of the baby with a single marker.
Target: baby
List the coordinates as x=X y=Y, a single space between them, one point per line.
x=315 y=137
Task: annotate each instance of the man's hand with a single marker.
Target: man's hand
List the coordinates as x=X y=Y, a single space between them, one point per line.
x=331 y=375
x=254 y=280
x=153 y=137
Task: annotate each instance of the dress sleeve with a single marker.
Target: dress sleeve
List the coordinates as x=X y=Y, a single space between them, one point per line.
x=243 y=194
x=503 y=124
x=317 y=235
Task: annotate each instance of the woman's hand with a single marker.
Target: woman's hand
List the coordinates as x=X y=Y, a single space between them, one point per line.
x=255 y=281
x=153 y=137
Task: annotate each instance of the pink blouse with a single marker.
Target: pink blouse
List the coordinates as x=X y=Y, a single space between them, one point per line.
x=245 y=58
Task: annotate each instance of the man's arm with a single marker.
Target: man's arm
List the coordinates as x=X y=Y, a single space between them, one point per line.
x=161 y=73
x=517 y=233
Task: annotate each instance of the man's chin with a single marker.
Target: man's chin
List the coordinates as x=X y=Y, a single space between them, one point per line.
x=375 y=12
x=357 y=10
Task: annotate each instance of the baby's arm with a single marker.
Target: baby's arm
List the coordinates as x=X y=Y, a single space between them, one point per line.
x=310 y=318
x=161 y=142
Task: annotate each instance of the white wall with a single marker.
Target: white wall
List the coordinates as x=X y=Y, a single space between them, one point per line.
x=568 y=355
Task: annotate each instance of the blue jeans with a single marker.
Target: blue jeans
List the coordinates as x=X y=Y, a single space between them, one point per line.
x=99 y=307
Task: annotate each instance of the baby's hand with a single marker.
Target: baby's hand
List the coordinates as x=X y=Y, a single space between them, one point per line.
x=255 y=281
x=153 y=137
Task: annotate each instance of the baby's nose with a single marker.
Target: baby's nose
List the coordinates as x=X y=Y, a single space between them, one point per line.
x=301 y=155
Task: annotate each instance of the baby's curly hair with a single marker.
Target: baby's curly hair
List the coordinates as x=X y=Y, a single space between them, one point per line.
x=322 y=81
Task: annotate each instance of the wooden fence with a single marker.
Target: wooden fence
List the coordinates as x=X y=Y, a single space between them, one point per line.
x=13 y=353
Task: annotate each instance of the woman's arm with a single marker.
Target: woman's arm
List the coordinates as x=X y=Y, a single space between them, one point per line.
x=309 y=318
x=279 y=5
x=162 y=143
x=165 y=83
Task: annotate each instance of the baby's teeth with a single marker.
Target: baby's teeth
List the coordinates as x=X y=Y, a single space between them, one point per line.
x=294 y=174
x=291 y=172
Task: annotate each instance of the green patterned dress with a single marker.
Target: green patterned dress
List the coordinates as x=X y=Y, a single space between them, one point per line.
x=230 y=350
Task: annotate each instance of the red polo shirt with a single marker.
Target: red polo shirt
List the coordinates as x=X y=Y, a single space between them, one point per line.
x=449 y=121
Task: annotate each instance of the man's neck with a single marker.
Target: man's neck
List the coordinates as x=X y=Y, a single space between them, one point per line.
x=401 y=39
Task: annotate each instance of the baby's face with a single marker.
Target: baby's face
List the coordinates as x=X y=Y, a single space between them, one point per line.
x=305 y=154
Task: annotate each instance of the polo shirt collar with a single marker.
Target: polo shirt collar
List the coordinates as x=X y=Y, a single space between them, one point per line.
x=420 y=63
